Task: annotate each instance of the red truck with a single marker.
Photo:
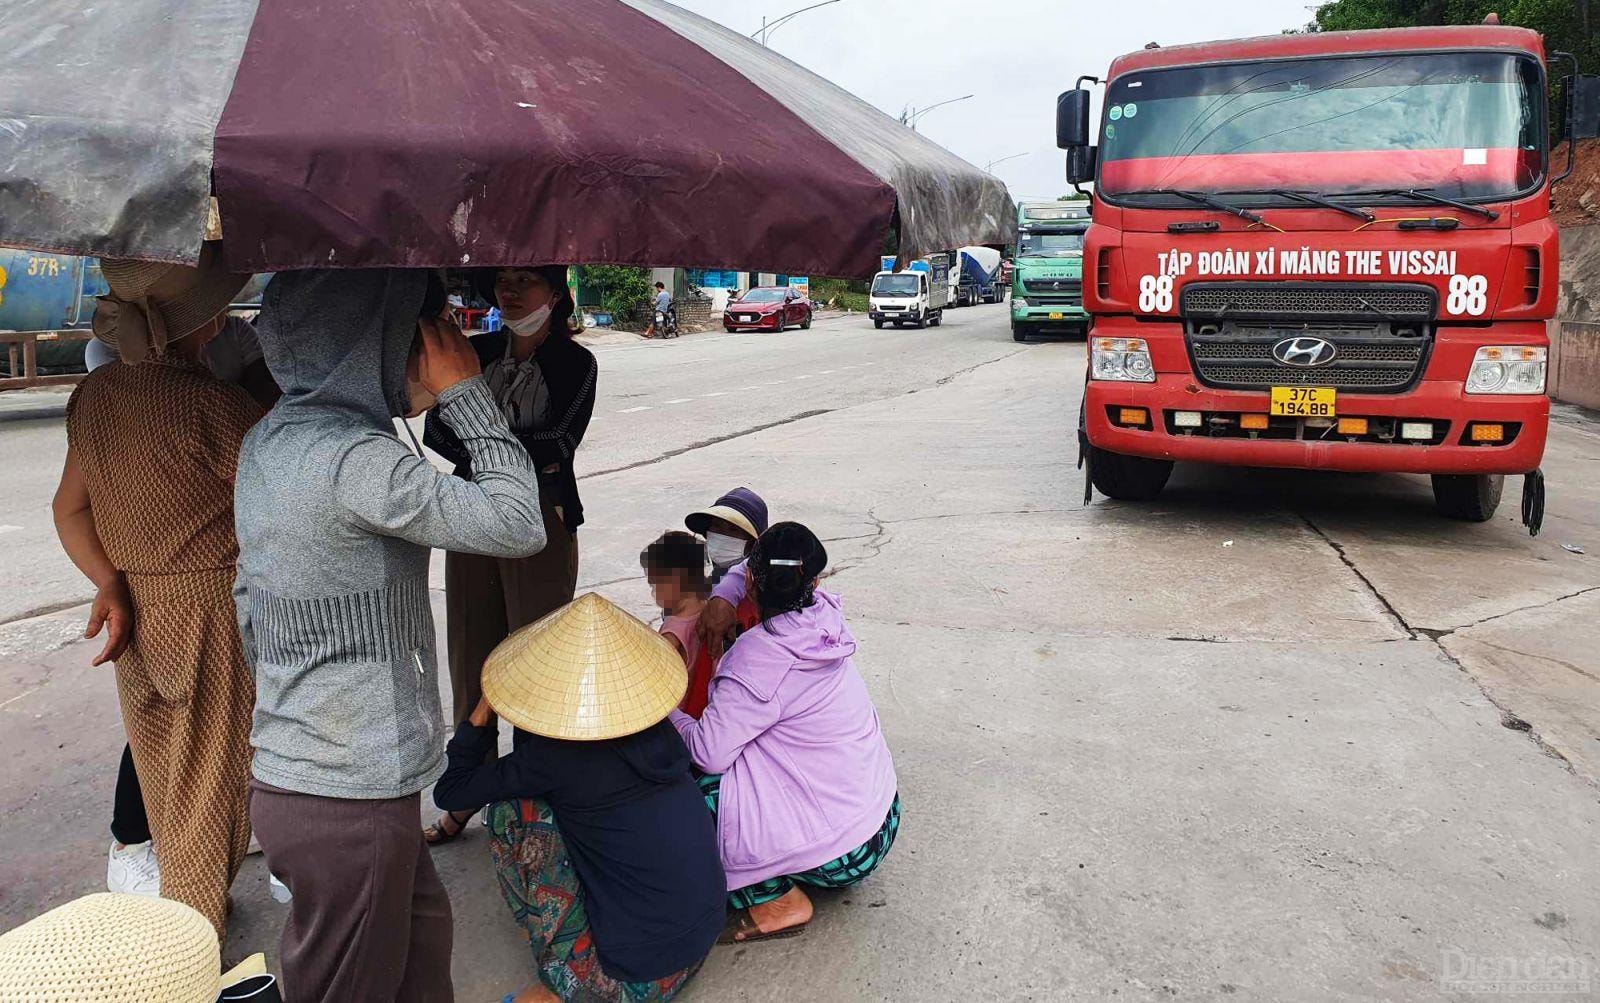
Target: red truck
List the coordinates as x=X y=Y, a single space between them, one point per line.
x=1327 y=251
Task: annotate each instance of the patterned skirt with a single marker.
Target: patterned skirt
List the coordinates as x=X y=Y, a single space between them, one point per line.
x=542 y=889
x=841 y=872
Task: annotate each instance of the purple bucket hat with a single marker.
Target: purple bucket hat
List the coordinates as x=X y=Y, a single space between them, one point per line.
x=741 y=506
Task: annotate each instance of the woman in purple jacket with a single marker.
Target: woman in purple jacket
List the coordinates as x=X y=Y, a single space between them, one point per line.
x=797 y=771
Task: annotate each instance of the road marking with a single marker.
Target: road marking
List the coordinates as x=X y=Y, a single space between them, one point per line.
x=631 y=410
x=825 y=372
x=756 y=387
x=719 y=393
x=802 y=377
x=679 y=400
x=9 y=529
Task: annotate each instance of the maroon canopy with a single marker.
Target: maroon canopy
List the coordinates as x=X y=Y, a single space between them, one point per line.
x=417 y=133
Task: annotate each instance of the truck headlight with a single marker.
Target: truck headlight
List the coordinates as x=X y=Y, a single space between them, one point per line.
x=1126 y=360
x=1507 y=369
x=1019 y=300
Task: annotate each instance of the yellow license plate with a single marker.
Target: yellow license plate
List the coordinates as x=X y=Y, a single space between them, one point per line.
x=1058 y=316
x=1304 y=402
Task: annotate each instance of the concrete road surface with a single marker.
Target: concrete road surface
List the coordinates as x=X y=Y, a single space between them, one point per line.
x=1274 y=736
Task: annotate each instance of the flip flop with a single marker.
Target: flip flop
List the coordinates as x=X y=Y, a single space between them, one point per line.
x=741 y=929
x=437 y=835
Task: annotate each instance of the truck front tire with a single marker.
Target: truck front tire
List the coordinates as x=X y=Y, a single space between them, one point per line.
x=1127 y=478
x=921 y=321
x=1019 y=332
x=1468 y=497
x=877 y=323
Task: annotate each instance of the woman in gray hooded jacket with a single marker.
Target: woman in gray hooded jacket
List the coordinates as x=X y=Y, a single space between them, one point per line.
x=336 y=518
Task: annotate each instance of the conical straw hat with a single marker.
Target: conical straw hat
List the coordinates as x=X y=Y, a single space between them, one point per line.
x=585 y=672
x=109 y=948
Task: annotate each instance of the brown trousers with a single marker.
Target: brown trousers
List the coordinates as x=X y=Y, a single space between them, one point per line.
x=369 y=919
x=487 y=598
x=187 y=696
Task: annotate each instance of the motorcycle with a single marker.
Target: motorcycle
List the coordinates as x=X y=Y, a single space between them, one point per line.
x=666 y=324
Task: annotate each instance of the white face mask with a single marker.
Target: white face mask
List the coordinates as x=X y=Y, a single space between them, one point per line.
x=724 y=551
x=528 y=326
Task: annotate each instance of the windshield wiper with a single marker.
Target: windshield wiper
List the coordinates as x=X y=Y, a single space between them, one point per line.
x=1314 y=198
x=1427 y=195
x=1205 y=200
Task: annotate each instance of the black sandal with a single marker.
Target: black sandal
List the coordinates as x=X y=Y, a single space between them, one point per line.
x=742 y=929
x=441 y=832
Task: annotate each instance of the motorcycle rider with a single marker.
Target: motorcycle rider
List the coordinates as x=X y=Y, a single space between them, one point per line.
x=662 y=314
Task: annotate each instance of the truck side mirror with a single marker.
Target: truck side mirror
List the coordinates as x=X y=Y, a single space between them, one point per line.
x=1584 y=122
x=1072 y=119
x=1081 y=163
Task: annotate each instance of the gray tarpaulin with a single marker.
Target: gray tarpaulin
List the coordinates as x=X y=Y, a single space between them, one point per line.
x=108 y=109
x=944 y=201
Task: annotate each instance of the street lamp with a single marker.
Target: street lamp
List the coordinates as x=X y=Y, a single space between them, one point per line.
x=917 y=113
x=765 y=31
x=988 y=168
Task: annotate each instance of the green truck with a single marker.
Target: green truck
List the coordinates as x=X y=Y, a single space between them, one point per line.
x=1047 y=274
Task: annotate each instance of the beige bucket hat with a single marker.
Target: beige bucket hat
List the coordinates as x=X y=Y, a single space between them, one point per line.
x=152 y=304
x=109 y=948
x=586 y=672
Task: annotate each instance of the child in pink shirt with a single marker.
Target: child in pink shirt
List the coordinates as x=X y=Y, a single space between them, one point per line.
x=675 y=565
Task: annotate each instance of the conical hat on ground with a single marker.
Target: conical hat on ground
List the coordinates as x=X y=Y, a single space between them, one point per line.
x=588 y=671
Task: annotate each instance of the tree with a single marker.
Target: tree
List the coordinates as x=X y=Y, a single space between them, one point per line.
x=1567 y=25
x=622 y=288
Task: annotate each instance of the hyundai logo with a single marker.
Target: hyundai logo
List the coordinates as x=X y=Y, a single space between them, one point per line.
x=1304 y=352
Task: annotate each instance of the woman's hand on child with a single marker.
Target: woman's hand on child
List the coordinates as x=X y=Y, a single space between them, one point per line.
x=481 y=713
x=715 y=624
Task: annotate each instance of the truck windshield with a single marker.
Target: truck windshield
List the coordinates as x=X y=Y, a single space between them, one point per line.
x=1465 y=125
x=895 y=285
x=1035 y=245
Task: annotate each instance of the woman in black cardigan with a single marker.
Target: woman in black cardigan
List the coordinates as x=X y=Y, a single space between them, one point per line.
x=545 y=384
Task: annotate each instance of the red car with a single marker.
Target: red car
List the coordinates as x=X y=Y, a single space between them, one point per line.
x=767 y=308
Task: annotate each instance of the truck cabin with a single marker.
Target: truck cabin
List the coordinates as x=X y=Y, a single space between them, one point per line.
x=1050 y=242
x=1398 y=117
x=899 y=284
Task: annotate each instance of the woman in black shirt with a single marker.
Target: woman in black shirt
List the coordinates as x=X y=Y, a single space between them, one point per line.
x=545 y=384
x=604 y=847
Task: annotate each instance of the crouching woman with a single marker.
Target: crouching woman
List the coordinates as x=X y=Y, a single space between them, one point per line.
x=601 y=840
x=796 y=768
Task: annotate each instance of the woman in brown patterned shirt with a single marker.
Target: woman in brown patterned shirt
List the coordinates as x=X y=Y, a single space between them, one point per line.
x=145 y=510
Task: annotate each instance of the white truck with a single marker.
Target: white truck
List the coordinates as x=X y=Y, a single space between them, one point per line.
x=917 y=295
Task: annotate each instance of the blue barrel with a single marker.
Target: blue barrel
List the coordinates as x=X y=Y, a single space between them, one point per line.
x=47 y=292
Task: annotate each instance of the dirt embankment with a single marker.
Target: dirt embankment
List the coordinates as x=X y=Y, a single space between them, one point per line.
x=1578 y=198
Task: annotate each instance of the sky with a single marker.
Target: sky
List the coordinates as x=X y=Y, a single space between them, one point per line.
x=1013 y=56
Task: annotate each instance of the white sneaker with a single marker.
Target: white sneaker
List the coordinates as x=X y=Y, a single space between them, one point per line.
x=133 y=870
x=279 y=890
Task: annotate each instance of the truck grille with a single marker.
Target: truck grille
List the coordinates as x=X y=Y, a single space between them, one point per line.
x=1375 y=359
x=1309 y=301
x=1381 y=333
x=1052 y=292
